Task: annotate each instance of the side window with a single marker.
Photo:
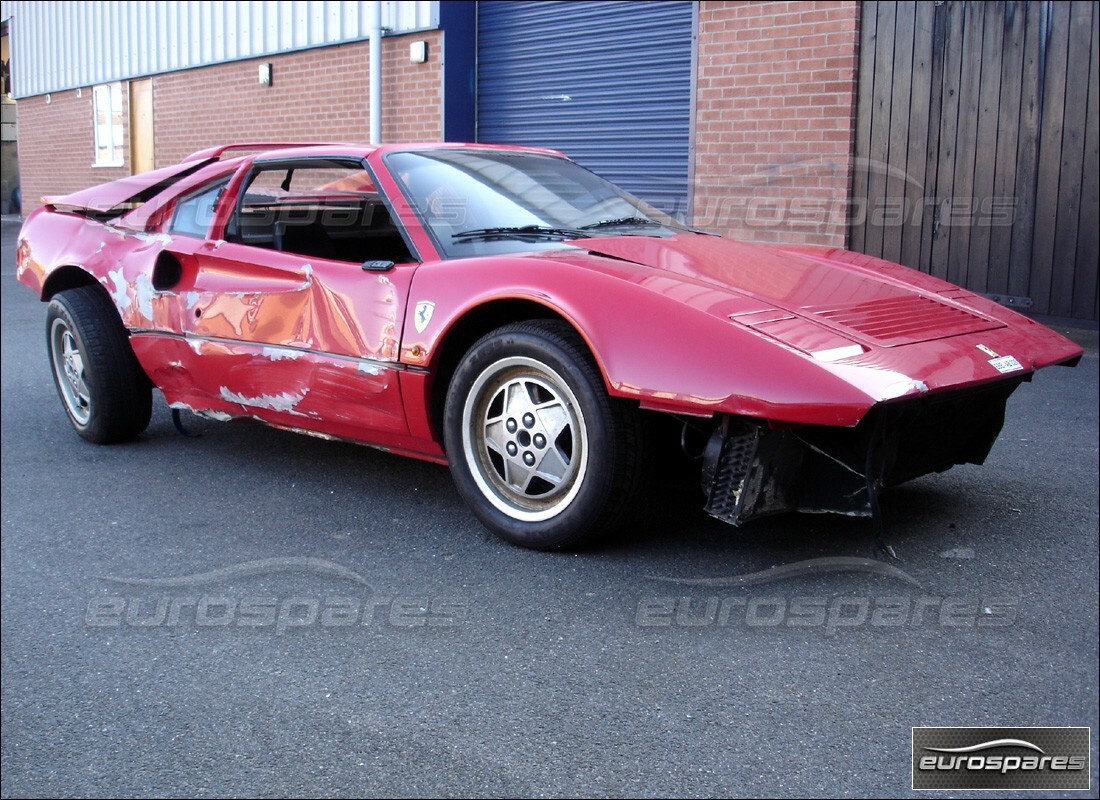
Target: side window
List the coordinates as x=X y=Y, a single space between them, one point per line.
x=318 y=208
x=195 y=212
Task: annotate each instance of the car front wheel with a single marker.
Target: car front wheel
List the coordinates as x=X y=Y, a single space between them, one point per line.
x=542 y=454
x=101 y=385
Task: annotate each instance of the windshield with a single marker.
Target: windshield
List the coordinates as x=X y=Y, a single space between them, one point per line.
x=482 y=202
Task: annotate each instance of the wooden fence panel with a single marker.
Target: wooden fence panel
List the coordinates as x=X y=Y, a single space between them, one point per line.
x=976 y=147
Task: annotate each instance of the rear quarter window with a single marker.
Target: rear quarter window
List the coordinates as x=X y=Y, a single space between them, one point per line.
x=194 y=213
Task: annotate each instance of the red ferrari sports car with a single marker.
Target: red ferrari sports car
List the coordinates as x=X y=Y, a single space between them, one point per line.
x=509 y=313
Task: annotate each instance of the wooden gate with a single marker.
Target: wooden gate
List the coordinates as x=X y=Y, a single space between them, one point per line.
x=976 y=147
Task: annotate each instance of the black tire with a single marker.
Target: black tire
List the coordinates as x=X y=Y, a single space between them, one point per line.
x=585 y=450
x=104 y=391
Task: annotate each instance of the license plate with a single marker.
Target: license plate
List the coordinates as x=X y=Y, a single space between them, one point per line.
x=1006 y=364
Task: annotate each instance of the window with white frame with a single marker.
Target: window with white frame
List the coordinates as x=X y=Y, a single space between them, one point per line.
x=107 y=104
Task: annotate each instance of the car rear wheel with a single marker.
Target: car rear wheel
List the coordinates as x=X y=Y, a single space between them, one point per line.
x=101 y=385
x=542 y=454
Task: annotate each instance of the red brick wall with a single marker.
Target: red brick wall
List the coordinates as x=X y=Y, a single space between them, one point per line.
x=775 y=119
x=775 y=115
x=57 y=146
x=316 y=95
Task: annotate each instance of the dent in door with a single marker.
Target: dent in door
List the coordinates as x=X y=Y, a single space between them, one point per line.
x=305 y=346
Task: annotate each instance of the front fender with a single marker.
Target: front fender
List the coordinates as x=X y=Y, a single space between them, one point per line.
x=659 y=339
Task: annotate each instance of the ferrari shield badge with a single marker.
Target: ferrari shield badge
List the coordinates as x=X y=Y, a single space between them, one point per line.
x=423 y=315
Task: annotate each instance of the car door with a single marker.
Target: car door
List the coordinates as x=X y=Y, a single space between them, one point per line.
x=286 y=326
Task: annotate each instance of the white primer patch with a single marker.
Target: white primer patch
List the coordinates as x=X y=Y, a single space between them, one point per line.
x=143 y=289
x=141 y=236
x=279 y=353
x=902 y=388
x=207 y=413
x=191 y=298
x=284 y=401
x=837 y=353
x=120 y=293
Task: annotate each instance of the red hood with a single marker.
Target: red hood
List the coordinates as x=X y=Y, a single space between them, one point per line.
x=850 y=299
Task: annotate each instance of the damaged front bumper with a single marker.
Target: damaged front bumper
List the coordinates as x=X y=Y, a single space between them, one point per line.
x=752 y=470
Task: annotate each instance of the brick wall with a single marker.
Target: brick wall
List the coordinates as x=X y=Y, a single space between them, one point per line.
x=775 y=119
x=774 y=123
x=316 y=95
x=57 y=146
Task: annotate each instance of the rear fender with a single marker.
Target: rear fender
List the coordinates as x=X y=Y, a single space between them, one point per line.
x=54 y=243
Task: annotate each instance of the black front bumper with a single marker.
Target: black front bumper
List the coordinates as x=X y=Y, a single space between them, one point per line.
x=751 y=470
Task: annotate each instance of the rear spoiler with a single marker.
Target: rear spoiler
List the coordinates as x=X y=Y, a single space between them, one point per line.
x=216 y=152
x=108 y=200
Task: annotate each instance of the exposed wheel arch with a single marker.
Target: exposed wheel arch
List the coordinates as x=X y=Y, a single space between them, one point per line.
x=102 y=387
x=67 y=277
x=544 y=456
x=71 y=276
x=465 y=331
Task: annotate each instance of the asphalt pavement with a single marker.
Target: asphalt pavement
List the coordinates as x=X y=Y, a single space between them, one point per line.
x=253 y=612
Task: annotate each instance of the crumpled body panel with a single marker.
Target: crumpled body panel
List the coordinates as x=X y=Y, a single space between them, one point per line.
x=682 y=323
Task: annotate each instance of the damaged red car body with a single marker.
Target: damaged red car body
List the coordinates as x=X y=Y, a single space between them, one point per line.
x=503 y=310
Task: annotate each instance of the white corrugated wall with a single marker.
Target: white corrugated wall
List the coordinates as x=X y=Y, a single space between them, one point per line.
x=66 y=44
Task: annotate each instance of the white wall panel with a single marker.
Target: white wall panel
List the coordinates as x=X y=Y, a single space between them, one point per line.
x=69 y=43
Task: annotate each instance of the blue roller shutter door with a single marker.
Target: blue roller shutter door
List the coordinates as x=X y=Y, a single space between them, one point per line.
x=608 y=83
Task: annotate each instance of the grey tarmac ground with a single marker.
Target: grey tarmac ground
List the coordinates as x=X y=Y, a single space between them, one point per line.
x=344 y=626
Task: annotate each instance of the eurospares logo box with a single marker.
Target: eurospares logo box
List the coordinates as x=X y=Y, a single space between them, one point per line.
x=1001 y=758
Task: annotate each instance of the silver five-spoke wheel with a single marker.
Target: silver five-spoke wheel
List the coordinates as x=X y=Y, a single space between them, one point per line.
x=524 y=438
x=68 y=365
x=537 y=447
x=101 y=385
